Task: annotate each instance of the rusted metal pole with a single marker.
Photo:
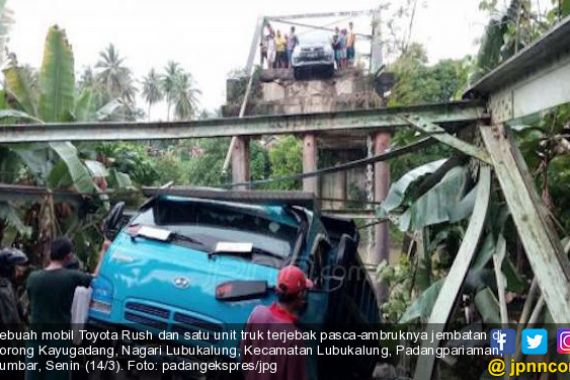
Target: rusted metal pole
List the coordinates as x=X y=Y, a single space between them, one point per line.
x=381 y=143
x=240 y=161
x=310 y=159
x=257 y=35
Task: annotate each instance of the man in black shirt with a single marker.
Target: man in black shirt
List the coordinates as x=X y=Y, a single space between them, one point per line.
x=51 y=291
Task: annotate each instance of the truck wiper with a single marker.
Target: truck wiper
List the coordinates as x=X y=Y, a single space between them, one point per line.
x=254 y=250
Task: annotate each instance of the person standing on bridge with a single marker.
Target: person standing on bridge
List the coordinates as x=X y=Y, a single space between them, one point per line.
x=350 y=43
x=342 y=40
x=271 y=49
x=281 y=48
x=292 y=41
x=281 y=316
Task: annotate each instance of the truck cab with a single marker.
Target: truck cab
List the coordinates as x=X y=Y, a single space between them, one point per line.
x=202 y=260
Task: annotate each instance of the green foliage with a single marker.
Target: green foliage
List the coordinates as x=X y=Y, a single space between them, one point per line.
x=170 y=167
x=509 y=31
x=286 y=159
x=260 y=162
x=398 y=279
x=237 y=85
x=545 y=146
x=417 y=83
x=205 y=169
x=130 y=158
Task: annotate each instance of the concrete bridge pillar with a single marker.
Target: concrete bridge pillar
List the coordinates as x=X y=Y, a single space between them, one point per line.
x=310 y=159
x=381 y=143
x=240 y=162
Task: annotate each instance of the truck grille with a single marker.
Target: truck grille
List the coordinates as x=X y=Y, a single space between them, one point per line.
x=148 y=309
x=197 y=322
x=159 y=317
x=145 y=321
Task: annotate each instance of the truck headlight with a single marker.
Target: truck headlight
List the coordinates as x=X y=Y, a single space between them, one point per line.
x=102 y=296
x=100 y=306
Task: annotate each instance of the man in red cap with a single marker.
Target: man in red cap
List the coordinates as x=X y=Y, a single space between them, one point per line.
x=281 y=316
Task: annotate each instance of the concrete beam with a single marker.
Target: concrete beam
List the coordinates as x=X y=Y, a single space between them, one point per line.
x=240 y=161
x=23 y=193
x=444 y=114
x=310 y=157
x=381 y=143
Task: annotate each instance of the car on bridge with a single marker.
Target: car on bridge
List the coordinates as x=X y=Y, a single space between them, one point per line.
x=313 y=56
x=200 y=260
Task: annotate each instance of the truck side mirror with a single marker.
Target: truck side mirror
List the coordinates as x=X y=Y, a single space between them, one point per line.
x=111 y=223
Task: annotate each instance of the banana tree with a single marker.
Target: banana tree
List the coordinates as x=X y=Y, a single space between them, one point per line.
x=52 y=98
x=431 y=203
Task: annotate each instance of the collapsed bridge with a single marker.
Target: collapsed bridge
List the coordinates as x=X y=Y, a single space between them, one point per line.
x=535 y=79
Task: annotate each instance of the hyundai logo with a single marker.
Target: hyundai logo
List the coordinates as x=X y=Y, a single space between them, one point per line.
x=181 y=282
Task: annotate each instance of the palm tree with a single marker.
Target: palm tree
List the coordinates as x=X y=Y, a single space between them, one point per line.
x=169 y=82
x=152 y=91
x=185 y=97
x=114 y=76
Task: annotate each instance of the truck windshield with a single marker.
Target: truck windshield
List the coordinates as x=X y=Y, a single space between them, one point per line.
x=210 y=223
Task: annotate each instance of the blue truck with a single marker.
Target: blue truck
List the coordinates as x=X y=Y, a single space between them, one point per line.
x=201 y=260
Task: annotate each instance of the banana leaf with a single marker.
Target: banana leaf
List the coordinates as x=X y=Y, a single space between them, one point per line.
x=398 y=191
x=121 y=180
x=422 y=306
x=18 y=85
x=59 y=176
x=78 y=172
x=442 y=203
x=488 y=306
x=18 y=115
x=36 y=158
x=57 y=78
x=83 y=106
x=12 y=219
x=108 y=110
x=96 y=168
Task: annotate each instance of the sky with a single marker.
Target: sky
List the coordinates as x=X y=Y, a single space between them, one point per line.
x=211 y=38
